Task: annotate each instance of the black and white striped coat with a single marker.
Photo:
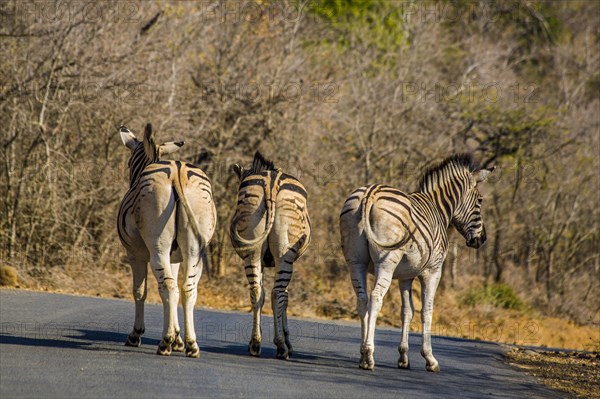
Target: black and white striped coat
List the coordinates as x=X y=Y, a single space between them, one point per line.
x=166 y=217
x=401 y=236
x=270 y=228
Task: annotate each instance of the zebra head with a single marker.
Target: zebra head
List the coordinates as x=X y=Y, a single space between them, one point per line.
x=143 y=153
x=467 y=216
x=258 y=164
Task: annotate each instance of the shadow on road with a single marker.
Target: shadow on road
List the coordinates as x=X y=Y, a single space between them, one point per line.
x=77 y=339
x=48 y=342
x=235 y=349
x=109 y=337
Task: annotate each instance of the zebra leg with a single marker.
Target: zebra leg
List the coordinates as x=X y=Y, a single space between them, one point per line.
x=286 y=332
x=358 y=275
x=167 y=288
x=178 y=344
x=257 y=299
x=291 y=254
x=279 y=303
x=429 y=283
x=408 y=311
x=192 y=267
x=383 y=279
x=140 y=290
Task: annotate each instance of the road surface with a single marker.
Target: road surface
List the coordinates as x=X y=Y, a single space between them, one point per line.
x=64 y=346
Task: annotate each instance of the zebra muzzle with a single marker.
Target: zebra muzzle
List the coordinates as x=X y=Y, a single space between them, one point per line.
x=477 y=241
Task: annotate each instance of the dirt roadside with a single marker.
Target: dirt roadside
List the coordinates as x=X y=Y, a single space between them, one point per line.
x=575 y=373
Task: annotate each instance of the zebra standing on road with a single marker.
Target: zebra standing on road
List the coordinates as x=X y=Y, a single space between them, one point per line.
x=402 y=236
x=166 y=217
x=270 y=228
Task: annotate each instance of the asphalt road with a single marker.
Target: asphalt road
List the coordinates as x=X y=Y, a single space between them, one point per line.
x=63 y=346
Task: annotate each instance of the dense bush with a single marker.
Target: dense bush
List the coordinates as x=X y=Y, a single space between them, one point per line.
x=498 y=295
x=339 y=93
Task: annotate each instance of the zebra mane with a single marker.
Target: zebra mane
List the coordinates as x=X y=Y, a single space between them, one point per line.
x=260 y=163
x=455 y=161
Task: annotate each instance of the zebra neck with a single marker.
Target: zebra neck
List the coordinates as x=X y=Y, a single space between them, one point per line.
x=439 y=204
x=139 y=163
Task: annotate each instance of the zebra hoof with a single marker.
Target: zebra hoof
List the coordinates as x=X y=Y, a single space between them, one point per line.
x=366 y=365
x=164 y=349
x=283 y=352
x=133 y=341
x=434 y=368
x=366 y=362
x=403 y=365
x=289 y=347
x=178 y=345
x=192 y=350
x=254 y=348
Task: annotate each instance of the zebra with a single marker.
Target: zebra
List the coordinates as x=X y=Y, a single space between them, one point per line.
x=167 y=216
x=270 y=228
x=401 y=236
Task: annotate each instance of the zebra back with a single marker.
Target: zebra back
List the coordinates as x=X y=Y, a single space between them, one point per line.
x=268 y=183
x=261 y=185
x=401 y=212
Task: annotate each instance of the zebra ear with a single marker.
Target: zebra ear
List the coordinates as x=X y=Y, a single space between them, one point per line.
x=482 y=175
x=237 y=169
x=169 y=148
x=128 y=138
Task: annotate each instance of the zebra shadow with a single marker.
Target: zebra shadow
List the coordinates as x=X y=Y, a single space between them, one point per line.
x=108 y=337
x=267 y=352
x=73 y=339
x=236 y=349
x=50 y=342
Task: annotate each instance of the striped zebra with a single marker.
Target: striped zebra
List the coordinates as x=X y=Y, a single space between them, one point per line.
x=270 y=228
x=401 y=236
x=167 y=217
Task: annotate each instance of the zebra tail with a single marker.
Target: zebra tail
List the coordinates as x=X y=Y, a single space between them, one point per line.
x=270 y=199
x=190 y=214
x=367 y=204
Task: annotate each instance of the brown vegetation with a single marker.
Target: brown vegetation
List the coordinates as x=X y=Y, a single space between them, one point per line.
x=339 y=94
x=8 y=276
